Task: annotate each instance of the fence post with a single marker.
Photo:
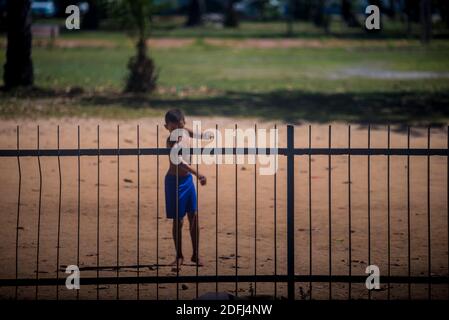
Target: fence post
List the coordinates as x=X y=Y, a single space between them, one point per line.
x=291 y=212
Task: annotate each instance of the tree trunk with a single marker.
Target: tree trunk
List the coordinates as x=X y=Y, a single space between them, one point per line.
x=290 y=17
x=409 y=16
x=231 y=19
x=348 y=15
x=392 y=9
x=91 y=19
x=18 y=69
x=194 y=17
x=426 y=20
x=320 y=17
x=444 y=9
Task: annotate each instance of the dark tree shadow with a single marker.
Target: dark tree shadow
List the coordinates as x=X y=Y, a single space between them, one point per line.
x=401 y=108
x=416 y=108
x=36 y=92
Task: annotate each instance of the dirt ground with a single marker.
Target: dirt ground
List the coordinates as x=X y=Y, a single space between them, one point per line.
x=245 y=43
x=154 y=224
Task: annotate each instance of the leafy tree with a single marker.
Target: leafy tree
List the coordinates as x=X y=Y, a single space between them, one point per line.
x=136 y=15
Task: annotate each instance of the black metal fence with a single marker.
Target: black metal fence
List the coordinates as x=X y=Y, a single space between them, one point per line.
x=290 y=277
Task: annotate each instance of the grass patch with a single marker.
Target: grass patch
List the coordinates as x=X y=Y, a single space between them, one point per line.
x=291 y=84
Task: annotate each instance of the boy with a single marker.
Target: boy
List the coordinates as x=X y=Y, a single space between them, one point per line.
x=180 y=193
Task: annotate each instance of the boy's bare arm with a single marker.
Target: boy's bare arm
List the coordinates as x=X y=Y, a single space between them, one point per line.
x=188 y=168
x=205 y=136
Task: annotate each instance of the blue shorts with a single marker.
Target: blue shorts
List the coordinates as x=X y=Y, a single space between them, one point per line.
x=186 y=196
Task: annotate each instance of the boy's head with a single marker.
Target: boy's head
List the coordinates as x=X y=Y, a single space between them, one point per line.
x=174 y=119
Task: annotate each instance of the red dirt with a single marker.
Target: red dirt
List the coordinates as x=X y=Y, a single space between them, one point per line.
x=226 y=213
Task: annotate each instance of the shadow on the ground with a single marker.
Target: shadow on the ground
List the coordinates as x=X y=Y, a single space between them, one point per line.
x=297 y=32
x=293 y=106
x=417 y=108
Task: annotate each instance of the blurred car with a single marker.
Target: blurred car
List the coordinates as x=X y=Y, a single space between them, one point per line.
x=43 y=8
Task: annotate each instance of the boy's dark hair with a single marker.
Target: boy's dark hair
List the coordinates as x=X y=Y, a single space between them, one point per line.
x=174 y=116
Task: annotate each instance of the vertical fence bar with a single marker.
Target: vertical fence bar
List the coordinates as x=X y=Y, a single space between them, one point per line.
x=349 y=214
x=388 y=214
x=118 y=213
x=408 y=215
x=447 y=201
x=310 y=213
x=275 y=212
x=291 y=211
x=18 y=211
x=98 y=209
x=178 y=238
x=59 y=218
x=39 y=212
x=138 y=211
x=255 y=213
x=236 y=220
x=78 y=226
x=330 y=211
x=369 y=203
x=216 y=208
x=157 y=212
x=429 y=240
x=197 y=217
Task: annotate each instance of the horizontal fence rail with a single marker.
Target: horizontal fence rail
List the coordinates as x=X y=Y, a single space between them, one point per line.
x=290 y=152
x=224 y=151
x=222 y=278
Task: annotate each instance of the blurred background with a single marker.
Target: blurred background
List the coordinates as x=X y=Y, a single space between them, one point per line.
x=292 y=60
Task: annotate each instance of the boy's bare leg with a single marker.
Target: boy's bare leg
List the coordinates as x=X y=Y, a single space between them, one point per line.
x=177 y=238
x=195 y=236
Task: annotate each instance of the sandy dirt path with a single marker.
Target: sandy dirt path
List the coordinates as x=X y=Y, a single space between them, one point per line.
x=227 y=193
x=268 y=43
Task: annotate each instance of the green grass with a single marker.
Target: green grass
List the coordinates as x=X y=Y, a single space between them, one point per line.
x=249 y=70
x=291 y=84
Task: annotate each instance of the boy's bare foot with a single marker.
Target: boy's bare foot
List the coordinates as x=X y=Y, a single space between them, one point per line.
x=197 y=261
x=177 y=263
